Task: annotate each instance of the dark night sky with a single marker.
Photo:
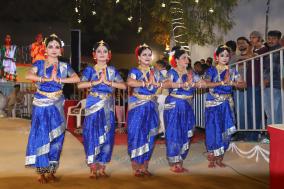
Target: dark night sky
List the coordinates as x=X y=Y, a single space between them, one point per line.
x=32 y=16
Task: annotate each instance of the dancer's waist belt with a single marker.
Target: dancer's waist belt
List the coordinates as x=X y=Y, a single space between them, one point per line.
x=101 y=95
x=186 y=97
x=144 y=97
x=53 y=95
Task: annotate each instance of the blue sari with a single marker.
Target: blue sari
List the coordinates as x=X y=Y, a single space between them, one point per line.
x=219 y=112
x=48 y=122
x=143 y=119
x=99 y=123
x=179 y=118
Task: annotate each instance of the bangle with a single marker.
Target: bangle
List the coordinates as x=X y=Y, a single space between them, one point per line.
x=193 y=84
x=161 y=84
x=60 y=81
x=40 y=79
x=222 y=83
x=143 y=84
x=92 y=83
x=186 y=84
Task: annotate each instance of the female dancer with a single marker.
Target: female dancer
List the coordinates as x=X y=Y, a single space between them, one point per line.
x=48 y=123
x=178 y=114
x=219 y=112
x=143 y=120
x=99 y=123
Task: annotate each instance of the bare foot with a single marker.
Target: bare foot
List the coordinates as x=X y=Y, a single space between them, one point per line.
x=41 y=179
x=102 y=173
x=52 y=178
x=211 y=164
x=139 y=173
x=176 y=169
x=147 y=173
x=220 y=164
x=94 y=174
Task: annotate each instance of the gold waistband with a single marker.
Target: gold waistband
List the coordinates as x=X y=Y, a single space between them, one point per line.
x=182 y=96
x=221 y=96
x=143 y=97
x=101 y=95
x=52 y=95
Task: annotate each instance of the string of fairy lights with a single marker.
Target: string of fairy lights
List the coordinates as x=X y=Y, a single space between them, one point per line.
x=178 y=22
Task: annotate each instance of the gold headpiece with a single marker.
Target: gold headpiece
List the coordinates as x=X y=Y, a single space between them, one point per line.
x=101 y=43
x=53 y=35
x=144 y=45
x=225 y=46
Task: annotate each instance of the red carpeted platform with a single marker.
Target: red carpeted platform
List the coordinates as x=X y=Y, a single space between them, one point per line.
x=121 y=138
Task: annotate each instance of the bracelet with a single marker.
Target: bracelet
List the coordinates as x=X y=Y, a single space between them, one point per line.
x=222 y=83
x=192 y=84
x=186 y=84
x=40 y=79
x=60 y=81
x=161 y=84
x=147 y=84
x=143 y=84
x=92 y=83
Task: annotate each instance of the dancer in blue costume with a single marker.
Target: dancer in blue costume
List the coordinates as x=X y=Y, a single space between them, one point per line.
x=48 y=122
x=178 y=113
x=143 y=120
x=99 y=123
x=219 y=111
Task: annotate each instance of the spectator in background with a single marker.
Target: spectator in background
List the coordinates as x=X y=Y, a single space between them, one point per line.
x=243 y=46
x=202 y=61
x=258 y=48
x=189 y=66
x=8 y=59
x=15 y=97
x=273 y=42
x=161 y=94
x=209 y=61
x=282 y=41
x=38 y=49
x=233 y=46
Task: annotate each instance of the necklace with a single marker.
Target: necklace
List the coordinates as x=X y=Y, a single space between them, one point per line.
x=144 y=71
x=220 y=68
x=99 y=67
x=180 y=73
x=47 y=64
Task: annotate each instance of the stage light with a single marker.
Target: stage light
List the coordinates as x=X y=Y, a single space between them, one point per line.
x=117 y=1
x=79 y=21
x=76 y=9
x=163 y=5
x=139 y=29
x=130 y=18
x=94 y=13
x=211 y=10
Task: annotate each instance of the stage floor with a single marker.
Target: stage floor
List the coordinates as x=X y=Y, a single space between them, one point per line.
x=73 y=172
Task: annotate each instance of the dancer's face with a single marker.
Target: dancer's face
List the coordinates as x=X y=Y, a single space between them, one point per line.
x=101 y=54
x=183 y=60
x=53 y=49
x=224 y=57
x=145 y=57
